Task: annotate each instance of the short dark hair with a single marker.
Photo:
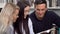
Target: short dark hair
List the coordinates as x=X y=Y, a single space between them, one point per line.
x=40 y=2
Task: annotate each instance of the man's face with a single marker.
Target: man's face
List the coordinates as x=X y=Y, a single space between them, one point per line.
x=26 y=11
x=40 y=10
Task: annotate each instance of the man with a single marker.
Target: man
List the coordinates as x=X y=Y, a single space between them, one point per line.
x=41 y=18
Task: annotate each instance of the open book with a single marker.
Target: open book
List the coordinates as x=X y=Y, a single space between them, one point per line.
x=52 y=30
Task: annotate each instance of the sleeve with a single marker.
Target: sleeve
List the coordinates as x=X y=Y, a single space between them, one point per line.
x=56 y=19
x=30 y=26
x=9 y=30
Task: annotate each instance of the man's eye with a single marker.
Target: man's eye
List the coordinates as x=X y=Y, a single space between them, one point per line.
x=43 y=9
x=38 y=9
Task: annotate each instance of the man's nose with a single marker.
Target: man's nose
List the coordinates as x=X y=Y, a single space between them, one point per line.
x=40 y=12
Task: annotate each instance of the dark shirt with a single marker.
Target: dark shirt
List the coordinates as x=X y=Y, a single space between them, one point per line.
x=46 y=23
x=0 y=9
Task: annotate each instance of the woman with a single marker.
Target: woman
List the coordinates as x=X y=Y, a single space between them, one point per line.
x=21 y=25
x=8 y=15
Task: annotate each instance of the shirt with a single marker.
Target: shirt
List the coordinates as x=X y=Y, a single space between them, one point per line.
x=46 y=23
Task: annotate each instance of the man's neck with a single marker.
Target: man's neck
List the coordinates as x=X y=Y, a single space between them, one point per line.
x=39 y=18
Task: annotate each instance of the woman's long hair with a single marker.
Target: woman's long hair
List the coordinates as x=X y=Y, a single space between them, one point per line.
x=6 y=15
x=20 y=20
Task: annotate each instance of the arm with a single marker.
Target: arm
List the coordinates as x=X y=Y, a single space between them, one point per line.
x=10 y=30
x=56 y=19
x=30 y=26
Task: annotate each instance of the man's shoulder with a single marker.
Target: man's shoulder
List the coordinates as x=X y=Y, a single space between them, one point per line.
x=52 y=13
x=32 y=16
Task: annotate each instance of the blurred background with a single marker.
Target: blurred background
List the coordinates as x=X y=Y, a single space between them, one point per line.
x=53 y=5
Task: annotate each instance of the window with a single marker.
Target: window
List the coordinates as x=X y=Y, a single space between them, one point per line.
x=2 y=3
x=53 y=3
